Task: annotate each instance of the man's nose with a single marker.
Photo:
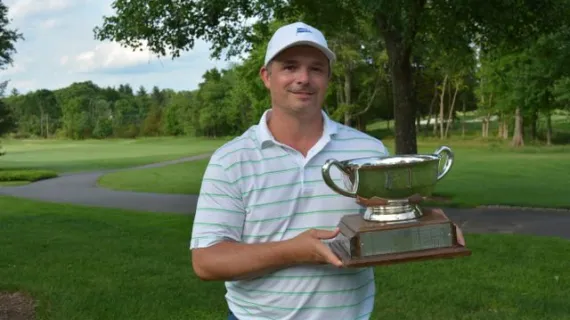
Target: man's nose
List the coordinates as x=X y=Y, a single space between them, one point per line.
x=303 y=75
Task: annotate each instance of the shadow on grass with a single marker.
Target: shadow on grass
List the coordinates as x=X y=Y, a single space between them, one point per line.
x=446 y=200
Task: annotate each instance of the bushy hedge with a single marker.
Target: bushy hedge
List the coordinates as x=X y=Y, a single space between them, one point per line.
x=26 y=175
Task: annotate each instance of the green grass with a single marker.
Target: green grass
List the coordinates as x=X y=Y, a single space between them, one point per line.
x=13 y=183
x=181 y=178
x=484 y=173
x=495 y=174
x=91 y=263
x=83 y=263
x=7 y=175
x=560 y=129
x=69 y=156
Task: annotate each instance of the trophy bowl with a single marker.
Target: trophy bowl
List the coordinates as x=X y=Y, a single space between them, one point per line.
x=393 y=228
x=390 y=187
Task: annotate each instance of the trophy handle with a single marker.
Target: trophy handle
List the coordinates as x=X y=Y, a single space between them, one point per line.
x=448 y=163
x=327 y=177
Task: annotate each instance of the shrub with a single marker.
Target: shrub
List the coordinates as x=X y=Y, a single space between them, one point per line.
x=26 y=175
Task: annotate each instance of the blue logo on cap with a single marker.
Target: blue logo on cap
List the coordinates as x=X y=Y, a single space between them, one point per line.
x=303 y=30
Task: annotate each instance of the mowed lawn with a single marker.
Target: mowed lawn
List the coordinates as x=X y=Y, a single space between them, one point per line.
x=483 y=174
x=180 y=178
x=493 y=174
x=91 y=263
x=70 y=156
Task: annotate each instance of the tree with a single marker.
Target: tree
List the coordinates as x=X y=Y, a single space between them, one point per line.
x=8 y=38
x=168 y=27
x=6 y=119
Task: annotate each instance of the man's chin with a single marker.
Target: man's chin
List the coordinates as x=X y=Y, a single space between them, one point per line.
x=304 y=107
x=304 y=102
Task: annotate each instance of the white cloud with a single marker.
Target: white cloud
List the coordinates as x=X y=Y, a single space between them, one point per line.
x=63 y=60
x=21 y=8
x=59 y=49
x=110 y=55
x=49 y=23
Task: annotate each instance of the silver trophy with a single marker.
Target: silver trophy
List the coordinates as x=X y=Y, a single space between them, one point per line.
x=394 y=228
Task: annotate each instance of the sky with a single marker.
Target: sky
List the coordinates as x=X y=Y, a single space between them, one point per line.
x=59 y=49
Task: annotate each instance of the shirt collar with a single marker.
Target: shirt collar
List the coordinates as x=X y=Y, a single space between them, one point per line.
x=266 y=139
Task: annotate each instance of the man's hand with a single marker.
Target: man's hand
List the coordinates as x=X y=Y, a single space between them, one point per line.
x=307 y=247
x=459 y=233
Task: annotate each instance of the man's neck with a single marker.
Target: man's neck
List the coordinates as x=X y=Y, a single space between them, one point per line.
x=300 y=133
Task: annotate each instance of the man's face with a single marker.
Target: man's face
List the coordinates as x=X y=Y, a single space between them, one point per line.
x=297 y=79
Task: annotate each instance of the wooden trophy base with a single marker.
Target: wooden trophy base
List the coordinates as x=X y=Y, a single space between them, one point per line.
x=363 y=243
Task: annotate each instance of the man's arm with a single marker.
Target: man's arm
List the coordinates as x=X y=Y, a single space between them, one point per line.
x=217 y=250
x=229 y=260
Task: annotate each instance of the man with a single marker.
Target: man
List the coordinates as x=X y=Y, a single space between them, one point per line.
x=264 y=209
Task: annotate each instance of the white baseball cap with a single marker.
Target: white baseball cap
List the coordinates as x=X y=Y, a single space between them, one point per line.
x=295 y=34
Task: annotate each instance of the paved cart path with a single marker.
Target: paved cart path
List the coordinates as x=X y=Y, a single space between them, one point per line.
x=82 y=189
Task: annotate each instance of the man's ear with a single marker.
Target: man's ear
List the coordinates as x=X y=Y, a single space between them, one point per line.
x=264 y=74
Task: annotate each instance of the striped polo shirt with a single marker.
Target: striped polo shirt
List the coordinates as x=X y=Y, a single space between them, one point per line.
x=258 y=190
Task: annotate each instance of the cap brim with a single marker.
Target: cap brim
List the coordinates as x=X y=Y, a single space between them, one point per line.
x=326 y=51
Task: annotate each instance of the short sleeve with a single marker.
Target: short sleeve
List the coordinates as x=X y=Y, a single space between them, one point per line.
x=220 y=212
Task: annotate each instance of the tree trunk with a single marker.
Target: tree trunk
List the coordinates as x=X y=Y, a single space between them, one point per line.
x=501 y=125
x=347 y=118
x=404 y=108
x=430 y=113
x=505 y=129
x=399 y=52
x=370 y=101
x=533 y=122
x=488 y=122
x=463 y=120
x=483 y=121
x=548 y=129
x=441 y=106
x=435 y=124
x=362 y=121
x=450 y=115
x=500 y=129
x=484 y=127
x=518 y=134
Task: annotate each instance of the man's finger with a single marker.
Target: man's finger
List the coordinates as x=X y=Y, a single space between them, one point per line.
x=325 y=234
x=459 y=233
x=329 y=256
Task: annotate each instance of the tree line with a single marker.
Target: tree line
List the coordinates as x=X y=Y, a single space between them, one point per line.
x=410 y=42
x=403 y=60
